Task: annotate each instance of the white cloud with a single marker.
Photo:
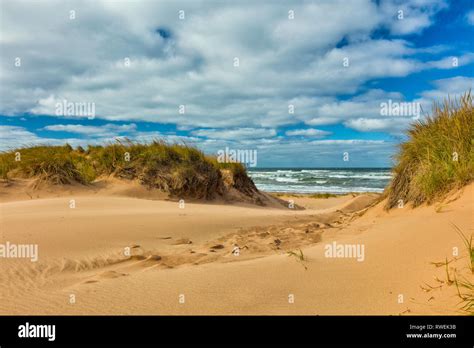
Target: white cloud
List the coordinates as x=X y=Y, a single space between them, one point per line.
x=362 y=106
x=348 y=142
x=409 y=17
x=281 y=60
x=394 y=125
x=453 y=87
x=105 y=130
x=452 y=62
x=309 y=132
x=235 y=134
x=470 y=17
x=13 y=137
x=10 y=135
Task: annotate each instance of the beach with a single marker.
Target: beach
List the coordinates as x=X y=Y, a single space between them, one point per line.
x=120 y=253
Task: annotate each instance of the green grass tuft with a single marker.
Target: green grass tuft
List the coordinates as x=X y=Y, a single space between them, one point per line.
x=181 y=170
x=468 y=244
x=299 y=256
x=55 y=164
x=465 y=289
x=426 y=168
x=323 y=195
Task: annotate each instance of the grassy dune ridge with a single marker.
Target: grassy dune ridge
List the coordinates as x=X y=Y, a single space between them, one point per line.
x=438 y=155
x=179 y=169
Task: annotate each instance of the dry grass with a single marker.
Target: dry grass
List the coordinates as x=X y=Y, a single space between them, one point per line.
x=55 y=164
x=323 y=195
x=464 y=286
x=468 y=244
x=179 y=169
x=426 y=168
x=465 y=289
x=299 y=257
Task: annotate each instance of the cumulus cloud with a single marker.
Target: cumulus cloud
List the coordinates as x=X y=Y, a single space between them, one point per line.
x=14 y=137
x=96 y=131
x=410 y=17
x=235 y=134
x=452 y=87
x=308 y=132
x=452 y=62
x=112 y=54
x=226 y=73
x=394 y=125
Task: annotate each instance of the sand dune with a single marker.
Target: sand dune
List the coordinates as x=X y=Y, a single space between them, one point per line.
x=123 y=255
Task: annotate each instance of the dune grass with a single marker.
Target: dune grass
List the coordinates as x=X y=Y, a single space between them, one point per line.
x=323 y=195
x=179 y=169
x=465 y=286
x=55 y=164
x=438 y=155
x=465 y=289
x=299 y=257
x=468 y=244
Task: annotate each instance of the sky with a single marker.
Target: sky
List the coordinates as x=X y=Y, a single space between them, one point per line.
x=303 y=83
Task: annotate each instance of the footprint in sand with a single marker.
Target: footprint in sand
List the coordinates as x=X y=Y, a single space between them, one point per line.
x=112 y=274
x=182 y=241
x=145 y=260
x=107 y=275
x=137 y=257
x=154 y=258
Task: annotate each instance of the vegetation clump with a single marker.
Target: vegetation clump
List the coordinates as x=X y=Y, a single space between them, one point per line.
x=438 y=155
x=178 y=169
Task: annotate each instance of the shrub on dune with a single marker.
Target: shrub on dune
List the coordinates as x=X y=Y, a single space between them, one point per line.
x=179 y=169
x=438 y=155
x=54 y=164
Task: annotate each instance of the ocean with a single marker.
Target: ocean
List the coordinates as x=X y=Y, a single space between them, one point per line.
x=323 y=180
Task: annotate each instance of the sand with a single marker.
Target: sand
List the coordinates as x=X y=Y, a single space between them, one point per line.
x=116 y=254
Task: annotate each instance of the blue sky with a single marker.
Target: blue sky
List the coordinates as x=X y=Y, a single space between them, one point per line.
x=169 y=70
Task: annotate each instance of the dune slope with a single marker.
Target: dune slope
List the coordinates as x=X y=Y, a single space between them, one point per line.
x=181 y=261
